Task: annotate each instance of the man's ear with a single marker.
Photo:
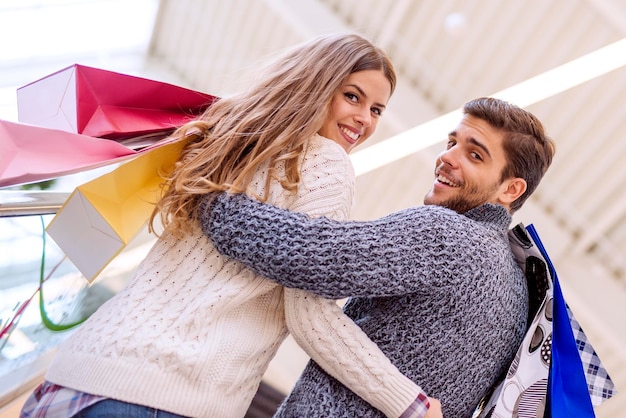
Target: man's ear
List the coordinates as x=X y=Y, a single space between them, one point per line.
x=512 y=189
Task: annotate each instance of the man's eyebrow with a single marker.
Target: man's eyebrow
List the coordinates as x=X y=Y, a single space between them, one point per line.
x=473 y=141
x=480 y=145
x=360 y=90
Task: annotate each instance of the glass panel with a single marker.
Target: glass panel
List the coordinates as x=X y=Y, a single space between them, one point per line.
x=30 y=261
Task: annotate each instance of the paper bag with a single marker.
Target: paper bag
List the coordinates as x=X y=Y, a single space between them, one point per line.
x=101 y=216
x=107 y=104
x=32 y=153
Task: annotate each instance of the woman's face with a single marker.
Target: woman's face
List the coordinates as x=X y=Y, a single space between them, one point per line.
x=356 y=108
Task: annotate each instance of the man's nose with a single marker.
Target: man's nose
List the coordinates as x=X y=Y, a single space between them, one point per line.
x=449 y=157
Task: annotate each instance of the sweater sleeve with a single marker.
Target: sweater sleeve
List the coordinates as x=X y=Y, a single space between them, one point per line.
x=345 y=352
x=319 y=325
x=412 y=251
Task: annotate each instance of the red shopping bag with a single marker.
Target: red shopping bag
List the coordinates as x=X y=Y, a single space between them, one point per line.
x=107 y=104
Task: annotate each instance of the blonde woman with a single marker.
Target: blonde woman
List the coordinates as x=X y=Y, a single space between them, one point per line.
x=193 y=332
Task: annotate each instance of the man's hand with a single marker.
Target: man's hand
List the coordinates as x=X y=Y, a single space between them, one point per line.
x=435 y=409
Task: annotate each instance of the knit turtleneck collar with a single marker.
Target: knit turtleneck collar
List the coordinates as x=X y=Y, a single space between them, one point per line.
x=497 y=215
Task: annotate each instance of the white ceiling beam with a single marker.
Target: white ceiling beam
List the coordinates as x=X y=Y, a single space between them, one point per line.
x=535 y=89
x=613 y=11
x=386 y=37
x=308 y=17
x=601 y=225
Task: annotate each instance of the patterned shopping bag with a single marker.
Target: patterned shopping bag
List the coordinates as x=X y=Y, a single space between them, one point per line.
x=556 y=372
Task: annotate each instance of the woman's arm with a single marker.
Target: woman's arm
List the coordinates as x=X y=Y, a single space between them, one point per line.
x=319 y=325
x=345 y=352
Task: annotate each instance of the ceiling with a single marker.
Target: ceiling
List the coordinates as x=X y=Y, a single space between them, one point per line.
x=447 y=52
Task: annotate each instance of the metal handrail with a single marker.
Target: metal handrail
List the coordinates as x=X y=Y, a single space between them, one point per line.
x=31 y=202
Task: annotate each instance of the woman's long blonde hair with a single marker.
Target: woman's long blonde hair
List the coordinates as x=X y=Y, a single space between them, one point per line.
x=270 y=122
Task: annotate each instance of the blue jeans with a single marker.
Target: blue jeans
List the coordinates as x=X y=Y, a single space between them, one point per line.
x=110 y=408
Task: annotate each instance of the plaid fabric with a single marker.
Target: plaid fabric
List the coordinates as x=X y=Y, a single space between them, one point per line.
x=53 y=400
x=418 y=408
x=601 y=387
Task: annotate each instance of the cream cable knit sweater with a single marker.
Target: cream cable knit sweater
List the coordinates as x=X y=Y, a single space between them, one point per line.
x=193 y=331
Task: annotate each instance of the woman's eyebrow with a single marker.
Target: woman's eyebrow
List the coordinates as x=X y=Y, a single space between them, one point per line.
x=362 y=93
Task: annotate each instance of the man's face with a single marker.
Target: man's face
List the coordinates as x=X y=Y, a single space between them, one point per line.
x=468 y=172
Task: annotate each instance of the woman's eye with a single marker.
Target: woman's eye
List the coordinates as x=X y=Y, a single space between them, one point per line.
x=351 y=96
x=377 y=111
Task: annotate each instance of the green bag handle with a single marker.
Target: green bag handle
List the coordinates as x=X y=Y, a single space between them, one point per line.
x=45 y=319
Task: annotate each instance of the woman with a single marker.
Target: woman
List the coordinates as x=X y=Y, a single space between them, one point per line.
x=193 y=332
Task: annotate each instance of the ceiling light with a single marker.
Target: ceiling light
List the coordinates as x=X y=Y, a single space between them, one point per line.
x=533 y=90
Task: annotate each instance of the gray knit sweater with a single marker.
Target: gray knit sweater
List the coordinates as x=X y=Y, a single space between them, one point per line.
x=439 y=292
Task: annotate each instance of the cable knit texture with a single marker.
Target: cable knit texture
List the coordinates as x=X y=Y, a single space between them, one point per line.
x=439 y=292
x=193 y=331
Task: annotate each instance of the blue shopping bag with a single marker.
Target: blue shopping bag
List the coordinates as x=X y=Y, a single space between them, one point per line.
x=556 y=372
x=567 y=393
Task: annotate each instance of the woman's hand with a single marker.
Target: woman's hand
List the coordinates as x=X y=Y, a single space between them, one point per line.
x=435 y=409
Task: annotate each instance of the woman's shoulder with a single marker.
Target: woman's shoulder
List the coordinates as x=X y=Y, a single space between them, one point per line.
x=325 y=154
x=324 y=146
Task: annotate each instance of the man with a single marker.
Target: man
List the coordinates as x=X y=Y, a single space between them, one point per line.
x=435 y=286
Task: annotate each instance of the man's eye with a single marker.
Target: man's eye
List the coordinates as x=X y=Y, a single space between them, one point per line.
x=477 y=156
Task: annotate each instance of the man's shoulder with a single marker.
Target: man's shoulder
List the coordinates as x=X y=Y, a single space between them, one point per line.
x=484 y=210
x=434 y=212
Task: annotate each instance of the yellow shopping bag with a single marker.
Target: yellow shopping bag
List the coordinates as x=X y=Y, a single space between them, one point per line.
x=101 y=216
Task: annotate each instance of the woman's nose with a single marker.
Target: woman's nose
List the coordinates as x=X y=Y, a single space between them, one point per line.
x=364 y=118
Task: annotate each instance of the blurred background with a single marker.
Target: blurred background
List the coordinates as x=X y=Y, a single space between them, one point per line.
x=445 y=52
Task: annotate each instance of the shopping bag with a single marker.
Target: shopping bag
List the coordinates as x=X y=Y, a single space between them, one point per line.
x=556 y=372
x=567 y=394
x=32 y=153
x=101 y=216
x=107 y=104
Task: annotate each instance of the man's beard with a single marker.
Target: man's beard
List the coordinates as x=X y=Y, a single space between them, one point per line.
x=466 y=200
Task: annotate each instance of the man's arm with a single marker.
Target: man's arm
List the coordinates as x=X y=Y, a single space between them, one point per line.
x=405 y=252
